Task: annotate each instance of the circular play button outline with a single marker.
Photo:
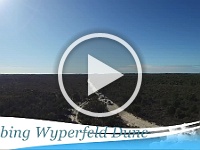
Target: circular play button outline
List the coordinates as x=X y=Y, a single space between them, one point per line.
x=107 y=36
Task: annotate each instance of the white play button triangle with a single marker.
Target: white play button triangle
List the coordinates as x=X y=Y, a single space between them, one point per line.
x=100 y=75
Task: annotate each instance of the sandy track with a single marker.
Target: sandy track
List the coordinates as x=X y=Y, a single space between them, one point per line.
x=132 y=120
x=128 y=118
x=74 y=117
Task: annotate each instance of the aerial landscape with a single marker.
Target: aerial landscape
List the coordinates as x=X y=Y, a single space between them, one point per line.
x=164 y=99
x=163 y=35
x=100 y=74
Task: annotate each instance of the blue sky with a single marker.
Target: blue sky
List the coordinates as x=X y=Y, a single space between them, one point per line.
x=35 y=33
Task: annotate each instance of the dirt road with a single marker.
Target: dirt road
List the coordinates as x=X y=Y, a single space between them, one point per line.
x=74 y=116
x=131 y=120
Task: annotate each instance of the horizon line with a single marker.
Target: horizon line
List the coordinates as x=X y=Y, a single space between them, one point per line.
x=87 y=73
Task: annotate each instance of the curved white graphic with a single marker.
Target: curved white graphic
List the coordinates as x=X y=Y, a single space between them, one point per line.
x=23 y=132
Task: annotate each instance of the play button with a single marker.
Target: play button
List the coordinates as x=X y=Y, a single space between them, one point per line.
x=100 y=75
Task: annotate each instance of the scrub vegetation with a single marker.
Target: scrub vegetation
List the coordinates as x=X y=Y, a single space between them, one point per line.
x=166 y=99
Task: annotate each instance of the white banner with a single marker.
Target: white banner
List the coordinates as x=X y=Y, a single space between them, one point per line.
x=21 y=132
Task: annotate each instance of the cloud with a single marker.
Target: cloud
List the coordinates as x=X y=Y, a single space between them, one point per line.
x=129 y=68
x=162 y=69
x=23 y=70
x=123 y=69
